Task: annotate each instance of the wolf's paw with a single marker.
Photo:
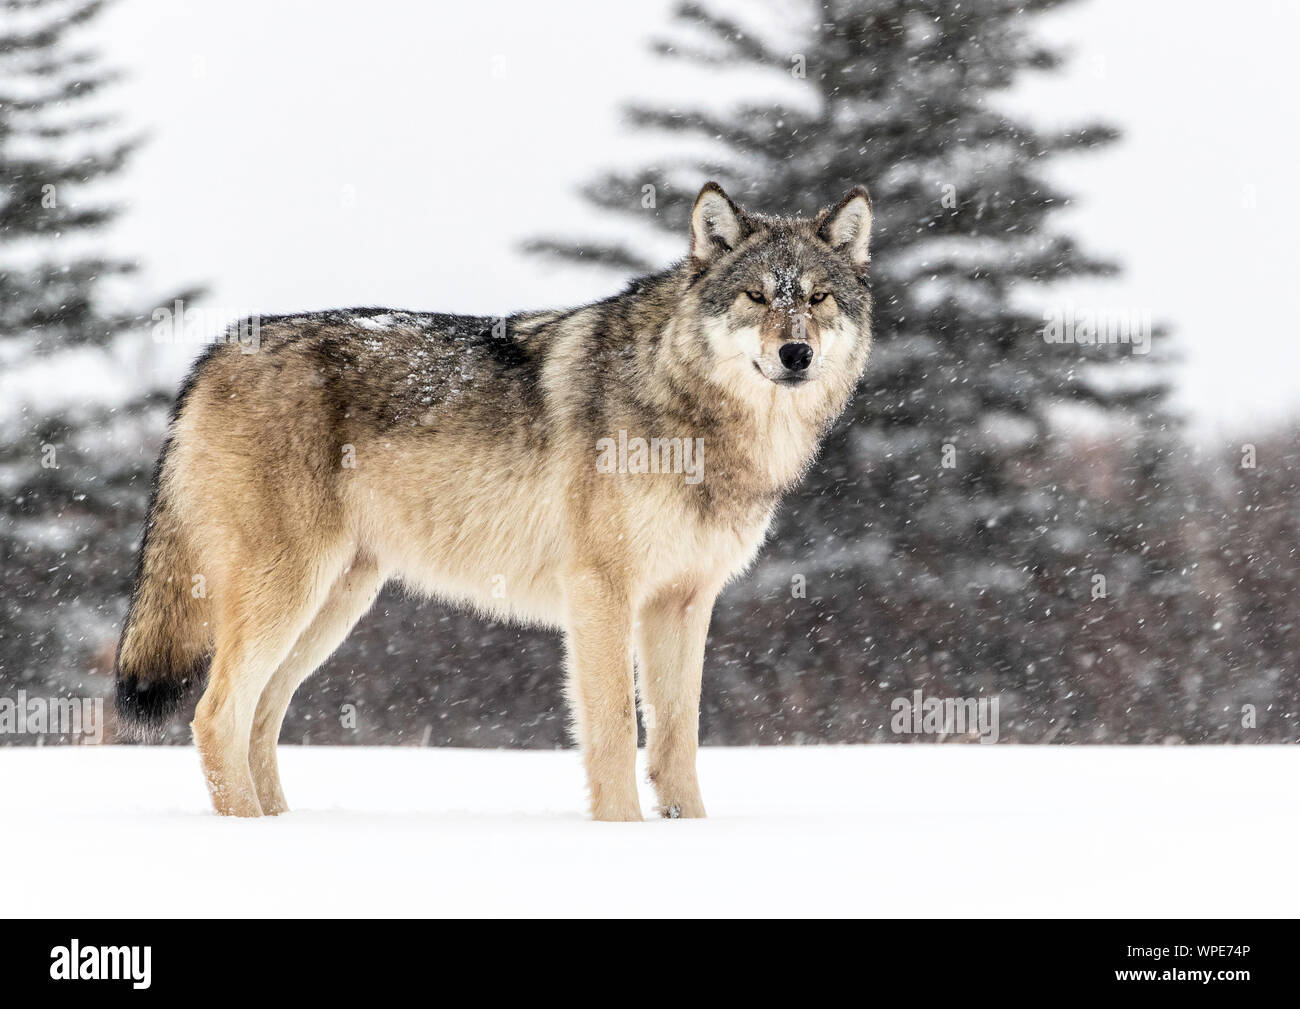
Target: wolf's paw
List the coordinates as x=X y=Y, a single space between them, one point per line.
x=687 y=809
x=628 y=814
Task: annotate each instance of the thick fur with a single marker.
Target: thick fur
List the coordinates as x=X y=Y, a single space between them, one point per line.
x=460 y=455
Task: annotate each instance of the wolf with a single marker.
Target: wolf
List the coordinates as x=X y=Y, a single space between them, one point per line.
x=470 y=459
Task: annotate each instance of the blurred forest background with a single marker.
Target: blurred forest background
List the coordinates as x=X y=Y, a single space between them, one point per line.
x=996 y=515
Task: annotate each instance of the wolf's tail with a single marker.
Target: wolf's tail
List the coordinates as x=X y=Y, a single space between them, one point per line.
x=166 y=641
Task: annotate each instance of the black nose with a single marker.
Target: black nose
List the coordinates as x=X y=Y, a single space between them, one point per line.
x=795 y=356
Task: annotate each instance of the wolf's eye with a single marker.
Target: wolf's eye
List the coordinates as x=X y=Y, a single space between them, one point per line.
x=757 y=297
x=818 y=297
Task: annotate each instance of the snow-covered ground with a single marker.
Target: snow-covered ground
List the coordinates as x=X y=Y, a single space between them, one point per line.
x=902 y=830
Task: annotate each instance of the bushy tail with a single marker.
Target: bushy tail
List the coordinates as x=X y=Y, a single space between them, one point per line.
x=166 y=641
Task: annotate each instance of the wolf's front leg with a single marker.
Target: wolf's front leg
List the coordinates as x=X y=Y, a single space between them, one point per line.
x=601 y=690
x=671 y=630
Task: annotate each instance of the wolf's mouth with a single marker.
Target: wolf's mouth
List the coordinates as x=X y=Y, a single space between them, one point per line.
x=791 y=378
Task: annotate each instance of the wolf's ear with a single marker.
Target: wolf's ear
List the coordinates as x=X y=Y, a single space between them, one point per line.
x=717 y=224
x=846 y=227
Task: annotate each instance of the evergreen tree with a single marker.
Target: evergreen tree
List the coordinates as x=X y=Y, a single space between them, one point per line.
x=73 y=483
x=939 y=540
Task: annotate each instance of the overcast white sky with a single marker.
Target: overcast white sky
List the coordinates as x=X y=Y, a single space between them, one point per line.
x=317 y=154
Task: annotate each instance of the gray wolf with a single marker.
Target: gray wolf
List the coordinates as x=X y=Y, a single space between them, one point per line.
x=604 y=470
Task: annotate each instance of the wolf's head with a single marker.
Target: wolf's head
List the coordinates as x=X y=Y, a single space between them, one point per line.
x=781 y=301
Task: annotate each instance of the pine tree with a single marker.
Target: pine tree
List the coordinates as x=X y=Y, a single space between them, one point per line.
x=74 y=481
x=939 y=540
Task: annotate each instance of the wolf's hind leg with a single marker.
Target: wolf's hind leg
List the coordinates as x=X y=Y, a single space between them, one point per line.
x=601 y=691
x=348 y=601
x=261 y=612
x=671 y=631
